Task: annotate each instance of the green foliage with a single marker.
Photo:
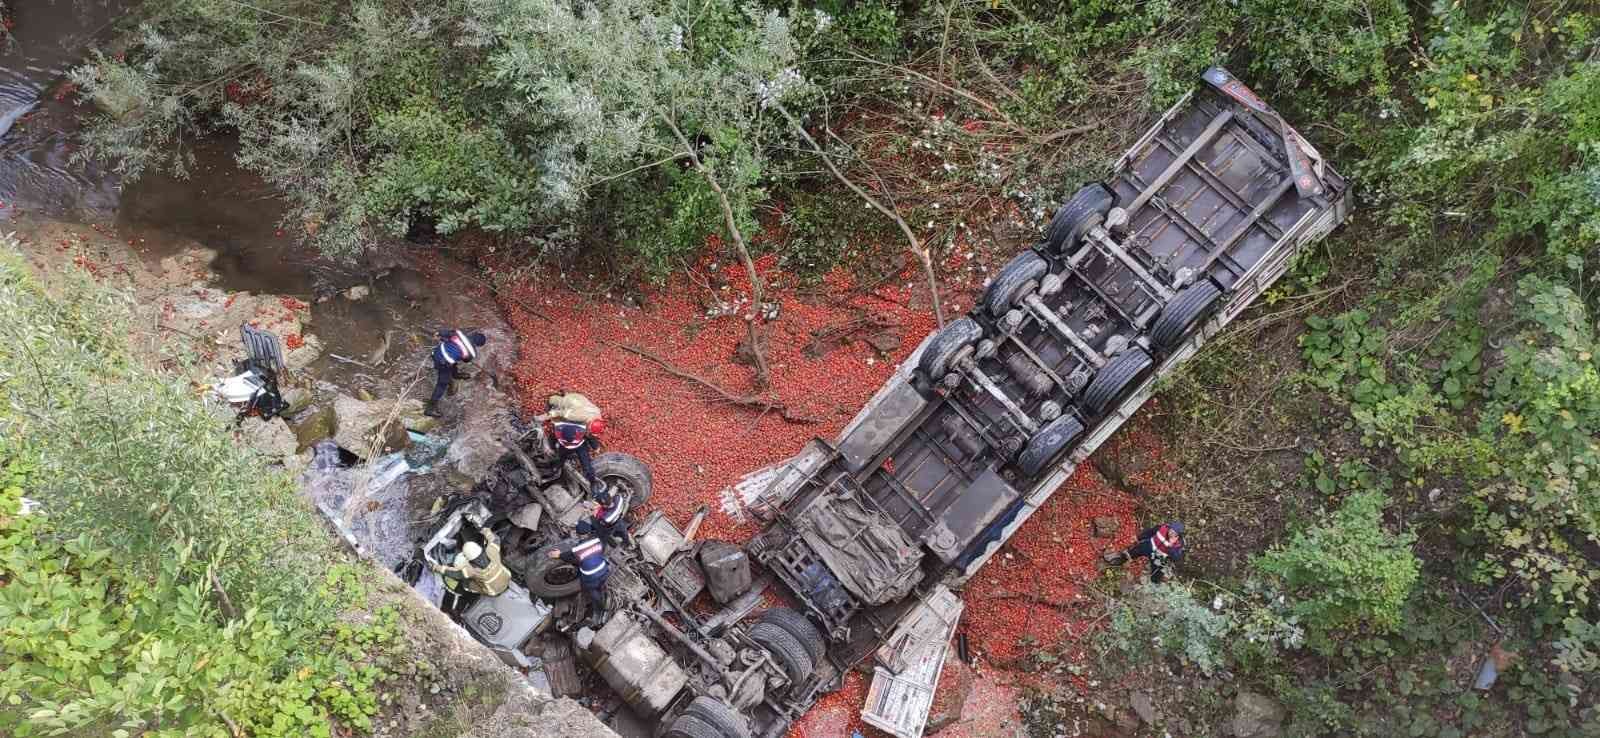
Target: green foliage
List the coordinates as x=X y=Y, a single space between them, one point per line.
x=499 y=114
x=1348 y=573
x=1169 y=618
x=1540 y=514
x=832 y=228
x=168 y=585
x=442 y=164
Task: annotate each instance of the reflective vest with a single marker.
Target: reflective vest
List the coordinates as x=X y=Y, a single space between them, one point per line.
x=489 y=578
x=456 y=348
x=1165 y=542
x=609 y=516
x=589 y=555
x=570 y=435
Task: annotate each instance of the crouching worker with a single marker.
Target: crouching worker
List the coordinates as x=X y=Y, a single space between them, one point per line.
x=1163 y=545
x=609 y=524
x=454 y=349
x=479 y=566
x=588 y=553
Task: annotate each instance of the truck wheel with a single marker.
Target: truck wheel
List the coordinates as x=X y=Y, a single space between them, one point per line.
x=1086 y=209
x=1047 y=444
x=624 y=472
x=785 y=648
x=1187 y=309
x=1115 y=378
x=689 y=726
x=720 y=716
x=956 y=336
x=1014 y=279
x=550 y=579
x=797 y=625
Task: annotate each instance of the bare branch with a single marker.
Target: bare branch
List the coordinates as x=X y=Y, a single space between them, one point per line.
x=915 y=244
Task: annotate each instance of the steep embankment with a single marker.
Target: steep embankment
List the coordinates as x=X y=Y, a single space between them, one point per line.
x=125 y=349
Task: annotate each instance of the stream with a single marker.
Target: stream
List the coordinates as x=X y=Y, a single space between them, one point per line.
x=373 y=345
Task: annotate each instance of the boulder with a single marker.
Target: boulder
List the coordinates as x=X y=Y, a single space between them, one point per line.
x=478 y=440
x=358 y=292
x=1143 y=706
x=1256 y=716
x=884 y=341
x=358 y=423
x=950 y=696
x=315 y=426
x=297 y=359
x=1122 y=466
x=298 y=399
x=271 y=437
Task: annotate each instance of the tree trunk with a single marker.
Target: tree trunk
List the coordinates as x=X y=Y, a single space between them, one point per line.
x=915 y=244
x=763 y=374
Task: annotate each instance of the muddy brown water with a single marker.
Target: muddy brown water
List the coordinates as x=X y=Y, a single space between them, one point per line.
x=36 y=128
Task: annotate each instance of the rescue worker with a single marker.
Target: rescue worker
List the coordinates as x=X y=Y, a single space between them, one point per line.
x=588 y=553
x=479 y=566
x=574 y=423
x=1163 y=545
x=455 y=348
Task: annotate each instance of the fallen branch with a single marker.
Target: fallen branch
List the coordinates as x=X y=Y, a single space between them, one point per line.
x=841 y=332
x=750 y=401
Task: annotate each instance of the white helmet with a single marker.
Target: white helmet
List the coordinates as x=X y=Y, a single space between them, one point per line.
x=471 y=550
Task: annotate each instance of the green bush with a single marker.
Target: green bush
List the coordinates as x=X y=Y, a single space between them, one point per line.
x=1346 y=574
x=170 y=585
x=1169 y=618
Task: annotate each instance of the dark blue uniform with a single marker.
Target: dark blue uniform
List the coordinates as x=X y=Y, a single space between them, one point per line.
x=454 y=348
x=572 y=440
x=1163 y=545
x=589 y=555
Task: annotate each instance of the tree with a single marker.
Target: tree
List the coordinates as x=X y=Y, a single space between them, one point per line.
x=631 y=80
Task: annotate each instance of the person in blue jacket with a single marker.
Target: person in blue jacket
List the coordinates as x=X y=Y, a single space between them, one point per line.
x=1162 y=544
x=588 y=553
x=454 y=349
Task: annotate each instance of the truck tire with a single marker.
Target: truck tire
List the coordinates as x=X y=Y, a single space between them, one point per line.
x=797 y=625
x=550 y=579
x=785 y=648
x=1190 y=306
x=1008 y=286
x=1114 y=378
x=1086 y=209
x=719 y=715
x=689 y=726
x=956 y=336
x=625 y=472
x=1047 y=444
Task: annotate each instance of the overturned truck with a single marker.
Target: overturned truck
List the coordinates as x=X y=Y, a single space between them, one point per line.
x=871 y=532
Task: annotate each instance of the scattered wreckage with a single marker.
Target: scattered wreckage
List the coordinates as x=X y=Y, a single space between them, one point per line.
x=870 y=534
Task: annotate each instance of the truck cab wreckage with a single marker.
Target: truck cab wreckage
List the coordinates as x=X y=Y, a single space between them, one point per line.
x=872 y=534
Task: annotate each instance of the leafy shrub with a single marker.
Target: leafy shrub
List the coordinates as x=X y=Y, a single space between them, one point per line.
x=168 y=587
x=1168 y=618
x=1347 y=573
